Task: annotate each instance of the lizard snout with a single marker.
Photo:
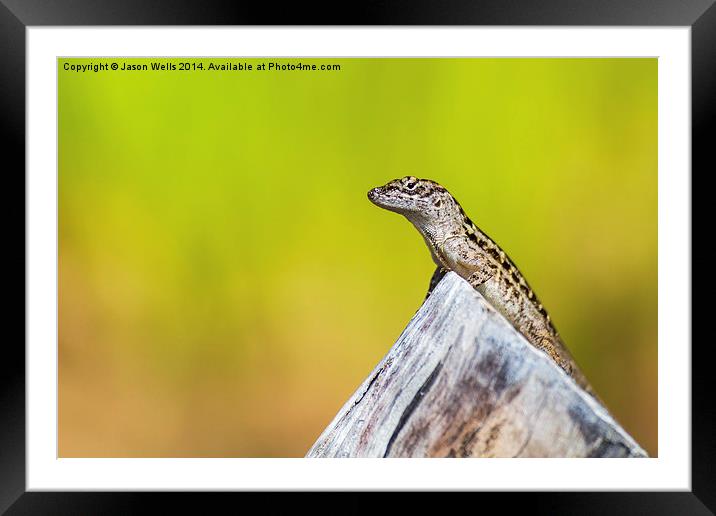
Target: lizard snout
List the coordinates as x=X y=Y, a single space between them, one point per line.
x=374 y=193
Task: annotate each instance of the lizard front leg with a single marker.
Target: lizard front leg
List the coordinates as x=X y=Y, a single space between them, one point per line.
x=465 y=258
x=480 y=276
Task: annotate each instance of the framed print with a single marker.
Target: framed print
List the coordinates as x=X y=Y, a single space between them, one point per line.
x=215 y=302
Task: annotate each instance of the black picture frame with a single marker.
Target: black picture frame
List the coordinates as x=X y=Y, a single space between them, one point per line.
x=17 y=15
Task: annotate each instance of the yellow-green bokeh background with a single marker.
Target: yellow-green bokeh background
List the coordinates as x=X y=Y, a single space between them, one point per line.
x=225 y=285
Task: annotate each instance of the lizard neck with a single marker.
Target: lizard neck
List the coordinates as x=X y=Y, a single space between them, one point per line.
x=436 y=234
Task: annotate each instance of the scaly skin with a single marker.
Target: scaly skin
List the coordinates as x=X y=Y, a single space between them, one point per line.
x=456 y=244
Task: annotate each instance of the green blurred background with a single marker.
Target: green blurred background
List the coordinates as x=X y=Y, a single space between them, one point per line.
x=225 y=285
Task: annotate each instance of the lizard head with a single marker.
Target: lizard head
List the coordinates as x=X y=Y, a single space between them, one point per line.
x=422 y=201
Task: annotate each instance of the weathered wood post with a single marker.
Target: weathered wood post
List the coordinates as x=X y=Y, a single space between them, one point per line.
x=462 y=382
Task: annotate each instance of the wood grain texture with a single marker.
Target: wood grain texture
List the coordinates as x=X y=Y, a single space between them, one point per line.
x=461 y=382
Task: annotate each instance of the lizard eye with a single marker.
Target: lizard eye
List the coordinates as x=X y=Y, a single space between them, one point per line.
x=437 y=202
x=411 y=183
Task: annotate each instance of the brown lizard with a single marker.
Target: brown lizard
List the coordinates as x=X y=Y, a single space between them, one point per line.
x=456 y=244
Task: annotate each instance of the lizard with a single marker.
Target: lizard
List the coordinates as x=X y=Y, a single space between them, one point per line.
x=457 y=244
